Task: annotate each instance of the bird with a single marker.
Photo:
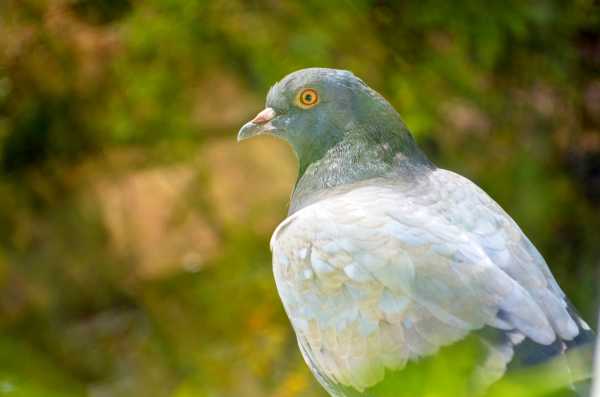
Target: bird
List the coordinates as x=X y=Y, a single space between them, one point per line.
x=384 y=259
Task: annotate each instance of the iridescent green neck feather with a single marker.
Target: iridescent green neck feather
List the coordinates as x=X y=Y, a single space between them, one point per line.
x=374 y=144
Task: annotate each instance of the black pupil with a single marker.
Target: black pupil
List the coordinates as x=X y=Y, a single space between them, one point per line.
x=308 y=97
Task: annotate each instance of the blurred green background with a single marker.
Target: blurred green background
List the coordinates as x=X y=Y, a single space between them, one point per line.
x=134 y=231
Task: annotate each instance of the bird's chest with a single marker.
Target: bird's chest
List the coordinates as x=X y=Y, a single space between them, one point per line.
x=337 y=321
x=312 y=301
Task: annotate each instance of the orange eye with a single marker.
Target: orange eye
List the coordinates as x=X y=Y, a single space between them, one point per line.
x=308 y=98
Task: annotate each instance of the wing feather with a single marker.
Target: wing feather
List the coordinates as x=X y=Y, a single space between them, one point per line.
x=376 y=276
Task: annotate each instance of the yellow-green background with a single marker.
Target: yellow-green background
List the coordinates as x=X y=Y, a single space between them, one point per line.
x=134 y=231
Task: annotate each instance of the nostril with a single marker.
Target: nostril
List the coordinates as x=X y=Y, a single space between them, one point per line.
x=264 y=116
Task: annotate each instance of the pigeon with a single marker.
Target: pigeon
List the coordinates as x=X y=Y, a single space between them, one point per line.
x=385 y=259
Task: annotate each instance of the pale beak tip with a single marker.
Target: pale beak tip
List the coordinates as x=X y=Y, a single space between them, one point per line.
x=257 y=125
x=248 y=130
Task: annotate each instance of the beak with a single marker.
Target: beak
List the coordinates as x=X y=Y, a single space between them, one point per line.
x=259 y=125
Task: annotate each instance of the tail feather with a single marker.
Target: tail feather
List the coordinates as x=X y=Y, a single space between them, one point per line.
x=575 y=356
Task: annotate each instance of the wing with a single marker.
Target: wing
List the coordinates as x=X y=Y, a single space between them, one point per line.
x=489 y=226
x=379 y=275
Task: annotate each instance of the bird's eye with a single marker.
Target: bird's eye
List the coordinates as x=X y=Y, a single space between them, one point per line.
x=308 y=98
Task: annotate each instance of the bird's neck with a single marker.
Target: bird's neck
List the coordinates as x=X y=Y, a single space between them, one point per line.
x=359 y=157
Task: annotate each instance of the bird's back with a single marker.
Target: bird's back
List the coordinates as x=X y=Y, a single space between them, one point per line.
x=379 y=273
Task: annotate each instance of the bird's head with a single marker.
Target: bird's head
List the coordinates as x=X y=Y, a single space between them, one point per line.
x=314 y=109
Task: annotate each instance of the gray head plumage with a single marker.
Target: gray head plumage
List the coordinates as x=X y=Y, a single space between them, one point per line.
x=331 y=118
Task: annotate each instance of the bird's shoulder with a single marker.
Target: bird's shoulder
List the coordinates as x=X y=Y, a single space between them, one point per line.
x=437 y=201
